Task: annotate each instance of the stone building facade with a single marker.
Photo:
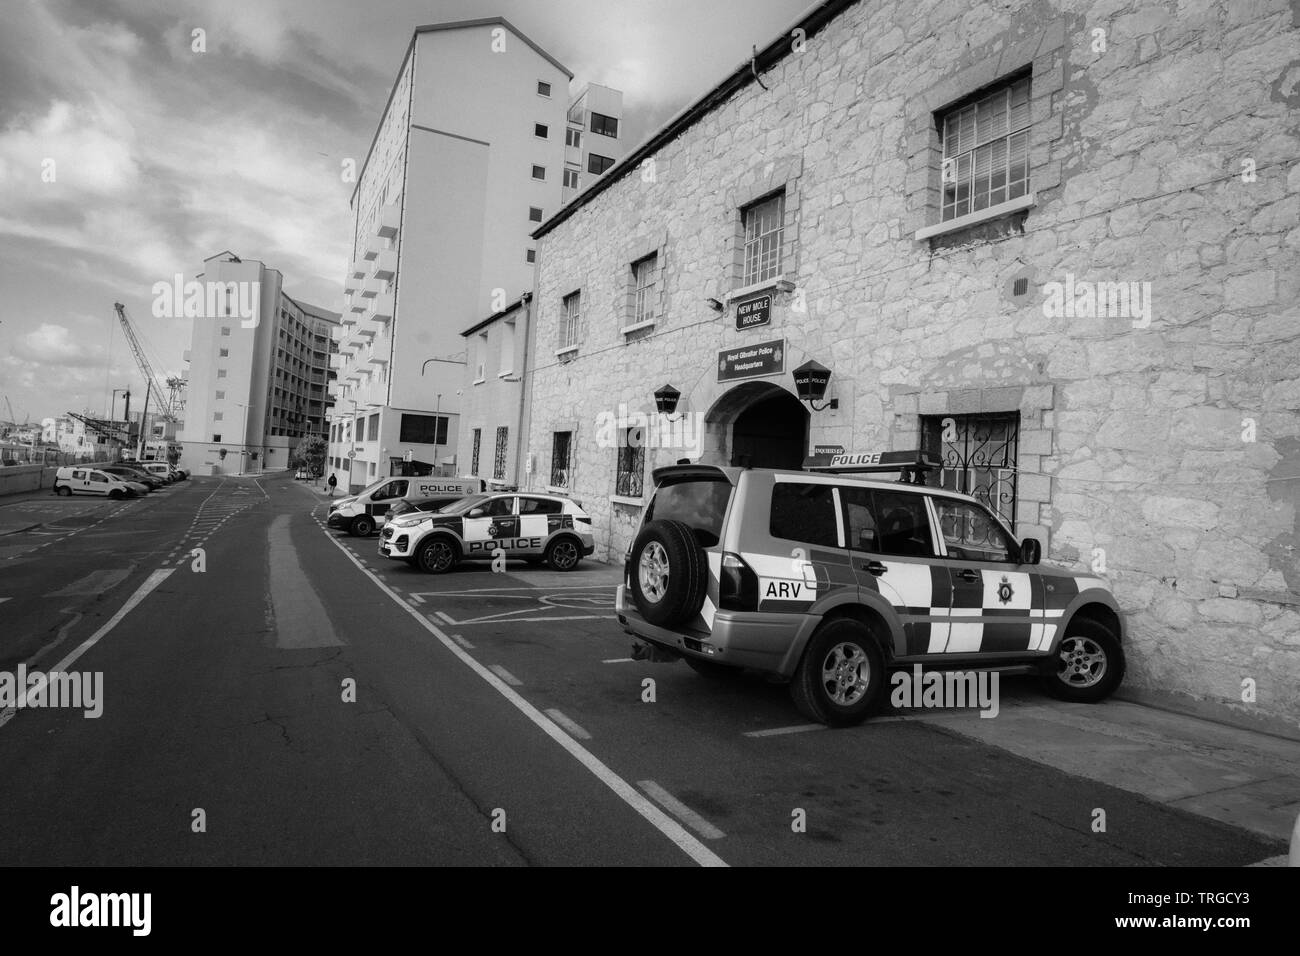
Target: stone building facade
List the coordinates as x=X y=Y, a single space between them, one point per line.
x=1054 y=244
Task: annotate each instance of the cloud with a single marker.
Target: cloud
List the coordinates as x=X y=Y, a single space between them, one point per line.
x=52 y=344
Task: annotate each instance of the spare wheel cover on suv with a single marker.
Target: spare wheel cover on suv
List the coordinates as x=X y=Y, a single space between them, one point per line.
x=669 y=573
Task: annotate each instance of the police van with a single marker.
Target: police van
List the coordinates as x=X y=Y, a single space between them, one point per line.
x=826 y=578
x=362 y=513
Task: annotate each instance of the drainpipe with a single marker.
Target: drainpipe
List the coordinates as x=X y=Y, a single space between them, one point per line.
x=521 y=446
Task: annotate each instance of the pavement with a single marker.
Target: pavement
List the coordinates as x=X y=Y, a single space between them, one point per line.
x=276 y=693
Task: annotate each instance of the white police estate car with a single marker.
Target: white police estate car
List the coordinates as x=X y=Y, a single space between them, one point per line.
x=827 y=580
x=521 y=525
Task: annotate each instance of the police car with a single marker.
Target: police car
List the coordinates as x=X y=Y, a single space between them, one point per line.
x=827 y=579
x=528 y=526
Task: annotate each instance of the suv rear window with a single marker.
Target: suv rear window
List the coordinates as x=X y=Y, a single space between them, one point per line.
x=804 y=512
x=700 y=504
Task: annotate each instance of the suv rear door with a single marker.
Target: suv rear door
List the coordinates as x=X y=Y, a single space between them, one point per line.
x=539 y=518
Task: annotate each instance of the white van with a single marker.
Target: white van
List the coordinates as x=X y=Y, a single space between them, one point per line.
x=362 y=513
x=92 y=481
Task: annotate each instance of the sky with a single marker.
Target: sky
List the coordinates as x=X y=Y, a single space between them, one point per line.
x=127 y=157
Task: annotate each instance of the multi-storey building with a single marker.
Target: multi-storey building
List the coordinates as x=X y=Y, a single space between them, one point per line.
x=467 y=159
x=593 y=137
x=259 y=371
x=1055 y=248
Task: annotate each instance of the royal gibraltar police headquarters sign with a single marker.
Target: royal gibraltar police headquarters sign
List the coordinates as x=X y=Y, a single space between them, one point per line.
x=750 y=361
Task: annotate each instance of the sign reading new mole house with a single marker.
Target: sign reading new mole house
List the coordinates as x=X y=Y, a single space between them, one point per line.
x=748 y=361
x=754 y=312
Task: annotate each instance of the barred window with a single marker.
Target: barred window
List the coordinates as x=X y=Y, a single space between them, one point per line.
x=764 y=232
x=644 y=273
x=499 y=462
x=478 y=438
x=571 y=320
x=561 y=443
x=986 y=151
x=630 y=472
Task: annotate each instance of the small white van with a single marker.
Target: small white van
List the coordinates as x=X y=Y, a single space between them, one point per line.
x=362 y=513
x=92 y=481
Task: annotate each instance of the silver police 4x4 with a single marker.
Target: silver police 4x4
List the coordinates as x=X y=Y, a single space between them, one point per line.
x=827 y=580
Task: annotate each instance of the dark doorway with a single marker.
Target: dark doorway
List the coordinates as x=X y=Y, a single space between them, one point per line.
x=772 y=432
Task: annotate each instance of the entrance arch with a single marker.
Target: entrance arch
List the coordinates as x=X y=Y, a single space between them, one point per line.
x=759 y=425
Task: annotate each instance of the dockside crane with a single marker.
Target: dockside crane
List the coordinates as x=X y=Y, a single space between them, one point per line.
x=150 y=379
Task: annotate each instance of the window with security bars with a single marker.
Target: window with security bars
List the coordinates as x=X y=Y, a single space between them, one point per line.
x=630 y=473
x=986 y=151
x=478 y=439
x=561 y=443
x=571 y=320
x=977 y=455
x=764 y=232
x=499 y=460
x=643 y=276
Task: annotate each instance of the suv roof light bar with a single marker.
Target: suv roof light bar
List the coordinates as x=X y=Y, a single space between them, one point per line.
x=913 y=464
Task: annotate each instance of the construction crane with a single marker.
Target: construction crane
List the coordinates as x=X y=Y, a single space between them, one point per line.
x=150 y=379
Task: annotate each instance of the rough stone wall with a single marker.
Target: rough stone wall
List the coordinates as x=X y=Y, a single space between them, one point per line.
x=1165 y=447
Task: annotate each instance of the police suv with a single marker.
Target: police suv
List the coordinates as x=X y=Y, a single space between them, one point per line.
x=528 y=526
x=361 y=513
x=826 y=580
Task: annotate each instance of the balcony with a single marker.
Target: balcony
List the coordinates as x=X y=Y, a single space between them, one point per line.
x=358 y=269
x=371 y=288
x=390 y=217
x=366 y=330
x=378 y=358
x=357 y=304
x=381 y=309
x=337 y=360
x=351 y=284
x=385 y=264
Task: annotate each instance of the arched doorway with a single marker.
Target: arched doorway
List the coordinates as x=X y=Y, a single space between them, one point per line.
x=760 y=425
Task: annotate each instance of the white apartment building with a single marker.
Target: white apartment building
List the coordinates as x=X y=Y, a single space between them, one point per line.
x=257 y=381
x=593 y=137
x=468 y=158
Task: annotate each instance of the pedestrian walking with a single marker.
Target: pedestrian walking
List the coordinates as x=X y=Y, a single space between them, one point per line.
x=333 y=482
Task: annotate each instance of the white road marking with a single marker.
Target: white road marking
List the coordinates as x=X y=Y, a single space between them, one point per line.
x=777 y=731
x=680 y=810
x=151 y=582
x=619 y=660
x=568 y=724
x=415 y=599
x=462 y=642
x=505 y=675
x=444 y=618
x=665 y=824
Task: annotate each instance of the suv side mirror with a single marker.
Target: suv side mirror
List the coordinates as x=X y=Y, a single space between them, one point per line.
x=1031 y=552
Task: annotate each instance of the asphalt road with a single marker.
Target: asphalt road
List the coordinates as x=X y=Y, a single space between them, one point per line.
x=282 y=695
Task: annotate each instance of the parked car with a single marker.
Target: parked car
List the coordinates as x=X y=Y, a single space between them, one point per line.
x=828 y=580
x=534 y=527
x=128 y=473
x=94 y=481
x=408 y=506
x=361 y=513
x=160 y=468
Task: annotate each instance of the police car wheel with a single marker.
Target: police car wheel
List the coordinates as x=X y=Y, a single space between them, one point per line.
x=563 y=554
x=362 y=525
x=1090 y=664
x=438 y=555
x=669 y=574
x=841 y=678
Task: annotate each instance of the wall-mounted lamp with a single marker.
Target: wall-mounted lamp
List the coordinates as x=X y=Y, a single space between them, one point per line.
x=714 y=304
x=810 y=381
x=666 y=400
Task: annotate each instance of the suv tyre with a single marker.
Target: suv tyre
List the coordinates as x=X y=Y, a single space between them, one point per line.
x=841 y=678
x=669 y=574
x=1089 y=663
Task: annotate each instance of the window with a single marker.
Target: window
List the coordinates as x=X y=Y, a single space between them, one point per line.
x=225 y=330
x=573 y=137
x=216 y=438
x=570 y=179
x=541 y=130
x=539 y=172
x=764 y=232
x=978 y=456
x=630 y=473
x=598 y=164
x=220 y=395
x=804 y=512
x=543 y=89
x=971 y=533
x=986 y=151
x=530 y=256
x=534 y=214
x=473 y=465
x=499 y=460
x=561 y=442
x=373 y=434
x=540 y=506
x=643 y=279
x=604 y=125
x=218 y=416
x=224 y=353
x=571 y=320
x=221 y=373
x=702 y=504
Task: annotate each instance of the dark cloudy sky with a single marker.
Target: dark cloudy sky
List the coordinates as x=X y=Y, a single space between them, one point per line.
x=163 y=156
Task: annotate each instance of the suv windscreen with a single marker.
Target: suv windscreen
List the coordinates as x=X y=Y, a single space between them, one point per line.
x=702 y=504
